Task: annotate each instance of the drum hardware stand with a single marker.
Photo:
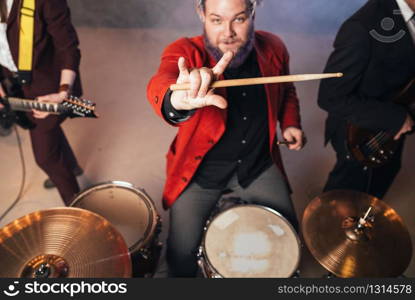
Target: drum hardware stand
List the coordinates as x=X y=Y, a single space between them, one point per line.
x=46 y=266
x=145 y=253
x=159 y=226
x=201 y=261
x=356 y=232
x=43 y=271
x=149 y=255
x=297 y=274
x=329 y=276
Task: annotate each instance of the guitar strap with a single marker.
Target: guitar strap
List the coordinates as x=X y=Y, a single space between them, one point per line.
x=26 y=38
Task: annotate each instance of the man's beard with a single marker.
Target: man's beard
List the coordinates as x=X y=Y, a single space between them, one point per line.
x=240 y=56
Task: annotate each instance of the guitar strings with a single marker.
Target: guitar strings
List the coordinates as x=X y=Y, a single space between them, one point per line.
x=375 y=140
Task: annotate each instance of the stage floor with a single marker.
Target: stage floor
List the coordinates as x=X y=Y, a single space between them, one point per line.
x=128 y=142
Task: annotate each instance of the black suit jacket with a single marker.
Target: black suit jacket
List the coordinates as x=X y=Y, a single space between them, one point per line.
x=374 y=70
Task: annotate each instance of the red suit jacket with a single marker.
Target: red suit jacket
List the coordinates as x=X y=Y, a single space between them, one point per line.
x=204 y=129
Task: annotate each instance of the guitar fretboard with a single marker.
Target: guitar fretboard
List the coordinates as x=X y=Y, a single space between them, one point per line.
x=28 y=105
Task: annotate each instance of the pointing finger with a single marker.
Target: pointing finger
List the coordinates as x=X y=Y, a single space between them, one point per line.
x=223 y=63
x=182 y=66
x=195 y=81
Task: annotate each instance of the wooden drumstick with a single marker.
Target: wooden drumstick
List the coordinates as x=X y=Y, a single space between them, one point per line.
x=285 y=143
x=260 y=80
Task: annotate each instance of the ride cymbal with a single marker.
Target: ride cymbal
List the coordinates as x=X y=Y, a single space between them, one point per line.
x=63 y=242
x=353 y=234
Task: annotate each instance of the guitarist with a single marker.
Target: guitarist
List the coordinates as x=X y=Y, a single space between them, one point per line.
x=375 y=50
x=48 y=73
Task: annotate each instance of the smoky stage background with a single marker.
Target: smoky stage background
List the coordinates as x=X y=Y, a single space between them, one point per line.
x=121 y=43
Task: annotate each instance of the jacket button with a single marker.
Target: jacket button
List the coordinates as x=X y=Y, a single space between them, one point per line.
x=156 y=99
x=198 y=157
x=184 y=179
x=211 y=142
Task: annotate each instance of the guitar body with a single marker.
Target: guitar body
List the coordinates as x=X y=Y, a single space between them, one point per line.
x=375 y=148
x=364 y=146
x=8 y=117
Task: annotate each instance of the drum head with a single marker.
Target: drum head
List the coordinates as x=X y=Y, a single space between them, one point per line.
x=252 y=241
x=128 y=209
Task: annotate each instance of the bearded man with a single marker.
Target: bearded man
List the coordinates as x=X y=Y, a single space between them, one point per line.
x=227 y=138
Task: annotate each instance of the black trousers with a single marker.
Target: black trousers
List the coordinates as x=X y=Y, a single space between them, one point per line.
x=54 y=155
x=51 y=149
x=349 y=174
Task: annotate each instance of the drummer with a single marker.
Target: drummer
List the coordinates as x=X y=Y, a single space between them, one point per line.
x=226 y=137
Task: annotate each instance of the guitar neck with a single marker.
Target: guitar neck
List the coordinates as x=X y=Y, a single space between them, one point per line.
x=27 y=105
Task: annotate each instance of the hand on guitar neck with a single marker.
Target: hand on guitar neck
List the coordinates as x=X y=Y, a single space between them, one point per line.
x=51 y=98
x=54 y=98
x=406 y=127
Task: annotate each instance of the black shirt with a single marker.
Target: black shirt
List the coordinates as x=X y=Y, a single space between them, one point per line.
x=244 y=147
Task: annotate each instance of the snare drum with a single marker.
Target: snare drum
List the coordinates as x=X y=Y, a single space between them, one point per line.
x=133 y=213
x=249 y=241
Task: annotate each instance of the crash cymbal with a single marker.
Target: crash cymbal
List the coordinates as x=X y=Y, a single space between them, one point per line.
x=353 y=234
x=63 y=242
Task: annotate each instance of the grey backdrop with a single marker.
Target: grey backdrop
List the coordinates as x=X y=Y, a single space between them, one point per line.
x=289 y=15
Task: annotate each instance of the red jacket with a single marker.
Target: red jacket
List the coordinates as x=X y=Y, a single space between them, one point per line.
x=204 y=129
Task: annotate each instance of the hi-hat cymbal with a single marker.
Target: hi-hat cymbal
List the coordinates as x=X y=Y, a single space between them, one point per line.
x=63 y=242
x=380 y=248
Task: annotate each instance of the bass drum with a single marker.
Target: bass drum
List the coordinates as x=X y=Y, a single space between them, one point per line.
x=249 y=241
x=133 y=214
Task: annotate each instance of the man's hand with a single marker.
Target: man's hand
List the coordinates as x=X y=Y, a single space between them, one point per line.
x=54 y=98
x=406 y=127
x=2 y=94
x=200 y=79
x=295 y=137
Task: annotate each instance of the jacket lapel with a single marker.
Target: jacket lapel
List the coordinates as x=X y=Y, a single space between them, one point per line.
x=13 y=30
x=13 y=13
x=407 y=43
x=267 y=66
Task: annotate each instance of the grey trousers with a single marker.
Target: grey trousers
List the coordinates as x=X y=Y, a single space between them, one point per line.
x=192 y=209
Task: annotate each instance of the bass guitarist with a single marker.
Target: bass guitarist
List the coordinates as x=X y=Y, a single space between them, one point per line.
x=39 y=58
x=375 y=50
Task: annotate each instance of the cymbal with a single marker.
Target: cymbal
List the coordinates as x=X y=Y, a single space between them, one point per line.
x=63 y=242
x=380 y=247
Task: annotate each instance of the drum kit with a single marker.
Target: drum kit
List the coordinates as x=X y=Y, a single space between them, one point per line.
x=112 y=229
x=249 y=241
x=134 y=214
x=63 y=243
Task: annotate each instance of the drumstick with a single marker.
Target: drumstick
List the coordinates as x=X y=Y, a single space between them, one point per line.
x=260 y=80
x=285 y=143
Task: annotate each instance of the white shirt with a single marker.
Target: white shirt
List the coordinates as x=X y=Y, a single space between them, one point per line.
x=6 y=59
x=407 y=14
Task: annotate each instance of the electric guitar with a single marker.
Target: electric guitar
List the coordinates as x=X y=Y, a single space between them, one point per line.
x=72 y=106
x=375 y=148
